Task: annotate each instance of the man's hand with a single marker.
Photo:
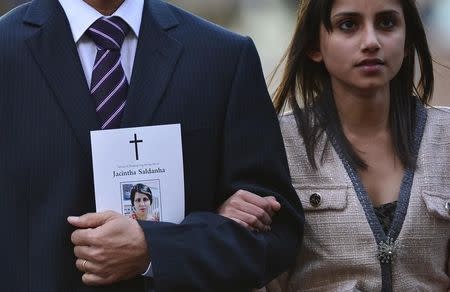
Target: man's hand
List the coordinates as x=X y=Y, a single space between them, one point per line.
x=250 y=210
x=109 y=247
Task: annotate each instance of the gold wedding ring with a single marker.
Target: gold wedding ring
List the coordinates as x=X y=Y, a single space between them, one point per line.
x=83 y=265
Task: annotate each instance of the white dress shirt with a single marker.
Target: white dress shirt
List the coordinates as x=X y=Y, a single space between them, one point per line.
x=81 y=16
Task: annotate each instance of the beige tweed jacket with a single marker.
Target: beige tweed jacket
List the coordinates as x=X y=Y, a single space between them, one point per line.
x=339 y=251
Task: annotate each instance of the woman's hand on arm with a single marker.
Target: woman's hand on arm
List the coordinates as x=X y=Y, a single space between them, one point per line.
x=250 y=210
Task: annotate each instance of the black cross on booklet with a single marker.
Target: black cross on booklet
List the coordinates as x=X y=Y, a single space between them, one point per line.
x=135 y=142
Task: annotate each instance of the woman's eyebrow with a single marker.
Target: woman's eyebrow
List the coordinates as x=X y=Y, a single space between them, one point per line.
x=388 y=12
x=345 y=14
x=357 y=14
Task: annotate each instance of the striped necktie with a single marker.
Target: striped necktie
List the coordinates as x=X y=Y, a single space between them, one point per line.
x=109 y=85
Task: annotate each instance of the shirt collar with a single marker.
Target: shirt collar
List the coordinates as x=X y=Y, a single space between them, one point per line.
x=81 y=15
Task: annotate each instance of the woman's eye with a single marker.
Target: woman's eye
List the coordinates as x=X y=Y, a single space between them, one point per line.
x=387 y=23
x=347 y=25
x=145 y=199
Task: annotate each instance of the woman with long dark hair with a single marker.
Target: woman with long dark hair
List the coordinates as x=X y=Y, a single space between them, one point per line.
x=369 y=158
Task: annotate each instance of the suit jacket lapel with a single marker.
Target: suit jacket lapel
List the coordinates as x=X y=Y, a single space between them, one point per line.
x=155 y=60
x=55 y=51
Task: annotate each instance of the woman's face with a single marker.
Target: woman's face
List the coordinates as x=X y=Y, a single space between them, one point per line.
x=366 y=46
x=141 y=203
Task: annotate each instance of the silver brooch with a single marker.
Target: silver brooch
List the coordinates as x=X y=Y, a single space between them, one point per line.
x=387 y=250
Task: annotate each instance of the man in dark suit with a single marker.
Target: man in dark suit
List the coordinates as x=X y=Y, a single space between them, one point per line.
x=174 y=68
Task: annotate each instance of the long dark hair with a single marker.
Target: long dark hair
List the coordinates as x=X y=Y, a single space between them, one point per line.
x=306 y=85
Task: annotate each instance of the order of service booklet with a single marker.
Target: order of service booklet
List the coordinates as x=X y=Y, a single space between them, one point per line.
x=138 y=172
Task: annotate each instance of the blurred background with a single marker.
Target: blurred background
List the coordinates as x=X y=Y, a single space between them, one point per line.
x=271 y=22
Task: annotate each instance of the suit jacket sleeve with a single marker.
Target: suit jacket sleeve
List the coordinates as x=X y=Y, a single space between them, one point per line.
x=208 y=252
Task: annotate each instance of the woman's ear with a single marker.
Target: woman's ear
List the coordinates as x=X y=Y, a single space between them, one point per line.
x=315 y=55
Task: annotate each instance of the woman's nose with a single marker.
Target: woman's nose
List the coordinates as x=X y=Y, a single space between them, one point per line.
x=370 y=39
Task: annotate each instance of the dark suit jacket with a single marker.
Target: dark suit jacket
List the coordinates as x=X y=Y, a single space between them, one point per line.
x=186 y=71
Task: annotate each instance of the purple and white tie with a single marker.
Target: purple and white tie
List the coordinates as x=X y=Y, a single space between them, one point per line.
x=109 y=85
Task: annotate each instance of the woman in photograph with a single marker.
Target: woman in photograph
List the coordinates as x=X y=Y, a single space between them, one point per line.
x=141 y=199
x=369 y=158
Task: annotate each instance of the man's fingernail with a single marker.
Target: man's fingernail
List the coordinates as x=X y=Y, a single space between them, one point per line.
x=73 y=218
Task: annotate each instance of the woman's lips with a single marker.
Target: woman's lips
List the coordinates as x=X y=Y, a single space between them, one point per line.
x=371 y=66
